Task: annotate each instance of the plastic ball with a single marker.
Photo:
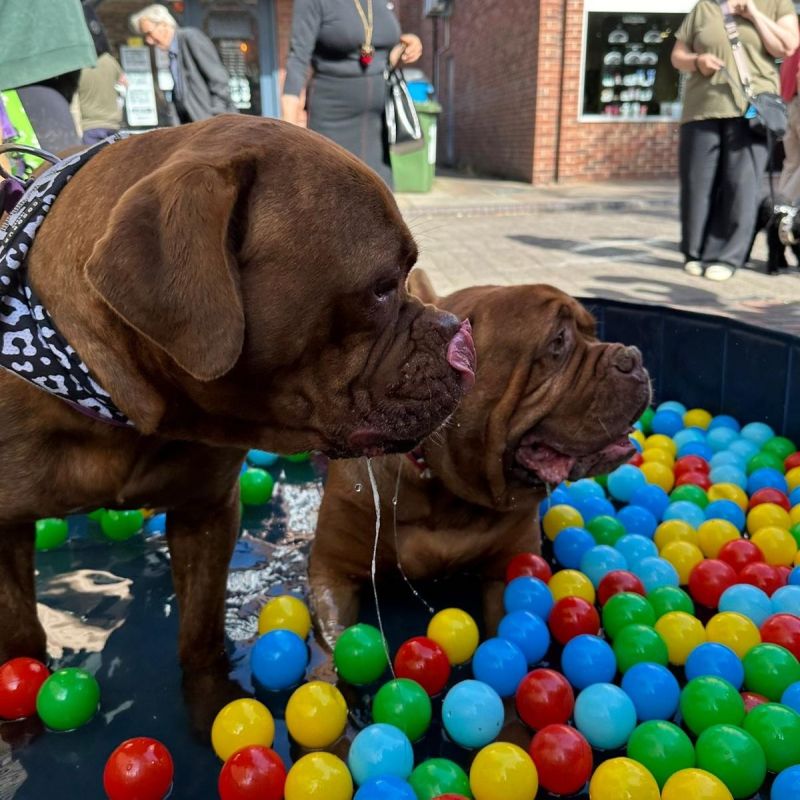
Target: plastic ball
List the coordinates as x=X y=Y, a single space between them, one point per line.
x=777 y=729
x=707 y=701
x=655 y=455
x=256 y=487
x=592 y=507
x=522 y=594
x=744 y=448
x=691 y=464
x=767 y=515
x=661 y=747
x=687 y=511
x=747 y=600
x=726 y=510
x=715 y=659
x=559 y=517
x=503 y=771
x=786 y=600
x=758 y=432
x=791 y=696
x=605 y=529
x=624 y=481
x=697 y=418
x=563 y=759
x=690 y=487
x=626 y=609
x=319 y=776
x=674 y=530
x=239 y=724
x=786 y=785
x=729 y=491
x=528 y=632
x=605 y=715
x=360 y=653
x=278 y=660
x=721 y=438
x=50 y=533
x=156 y=525
x=558 y=497
x=636 y=548
x=316 y=715
x=684 y=556
x=262 y=458
x=763 y=575
x=386 y=787
x=669 y=598
x=571 y=583
x=793 y=476
x=661 y=442
x=472 y=714
x=728 y=473
x=682 y=633
x=656 y=572
x=636 y=644
x=20 y=681
x=701 y=449
x=709 y=580
x=724 y=421
x=767 y=478
x=652 y=498
x=584 y=488
x=777 y=545
x=734 y=756
x=528 y=564
x=544 y=697
x=622 y=779
x=764 y=460
x=380 y=750
x=296 y=458
x=646 y=418
x=618 y=582
x=794 y=577
x=739 y=553
x=422 y=660
x=599 y=561
x=667 y=422
x=141 y=768
x=769 y=495
x=770 y=669
x=658 y=475
x=733 y=630
x=572 y=617
x=404 y=704
x=696 y=784
x=654 y=690
x=689 y=434
x=285 y=613
x=121 y=525
x=500 y=664
x=252 y=773
x=752 y=700
x=437 y=777
x=714 y=534
x=68 y=699
x=638 y=520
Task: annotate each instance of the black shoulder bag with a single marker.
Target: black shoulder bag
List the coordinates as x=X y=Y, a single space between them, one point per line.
x=402 y=122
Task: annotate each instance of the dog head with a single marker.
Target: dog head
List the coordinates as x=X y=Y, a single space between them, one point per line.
x=260 y=269
x=550 y=402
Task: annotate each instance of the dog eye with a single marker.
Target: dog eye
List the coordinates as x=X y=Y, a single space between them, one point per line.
x=558 y=342
x=384 y=288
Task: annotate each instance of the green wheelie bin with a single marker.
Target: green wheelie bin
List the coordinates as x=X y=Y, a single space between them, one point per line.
x=413 y=171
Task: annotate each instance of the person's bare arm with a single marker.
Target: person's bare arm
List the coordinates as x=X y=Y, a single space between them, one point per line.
x=686 y=60
x=780 y=37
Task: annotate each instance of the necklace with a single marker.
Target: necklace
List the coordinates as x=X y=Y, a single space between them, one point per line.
x=367 y=50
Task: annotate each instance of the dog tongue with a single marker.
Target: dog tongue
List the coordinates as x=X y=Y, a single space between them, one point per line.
x=550 y=465
x=461 y=355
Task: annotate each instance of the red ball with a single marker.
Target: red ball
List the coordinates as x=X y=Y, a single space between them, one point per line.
x=530 y=565
x=709 y=579
x=139 y=769
x=783 y=629
x=450 y=796
x=253 y=773
x=698 y=478
x=616 y=582
x=764 y=576
x=636 y=459
x=739 y=553
x=753 y=699
x=783 y=573
x=20 y=680
x=572 y=616
x=770 y=495
x=691 y=464
x=792 y=461
x=544 y=697
x=563 y=759
x=424 y=661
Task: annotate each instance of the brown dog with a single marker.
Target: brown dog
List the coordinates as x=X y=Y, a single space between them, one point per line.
x=235 y=283
x=550 y=403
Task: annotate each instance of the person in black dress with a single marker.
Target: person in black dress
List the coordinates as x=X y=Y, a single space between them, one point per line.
x=348 y=44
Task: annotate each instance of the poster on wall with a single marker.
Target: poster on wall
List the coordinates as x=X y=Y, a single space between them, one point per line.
x=140 y=99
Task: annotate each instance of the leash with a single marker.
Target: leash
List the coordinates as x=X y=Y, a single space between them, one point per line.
x=13 y=188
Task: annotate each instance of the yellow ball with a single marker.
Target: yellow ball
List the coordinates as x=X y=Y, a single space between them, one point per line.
x=622 y=779
x=316 y=715
x=767 y=515
x=697 y=418
x=777 y=545
x=728 y=491
x=559 y=517
x=638 y=436
x=684 y=556
x=681 y=633
x=674 y=530
x=319 y=776
x=713 y=534
x=571 y=583
x=797 y=560
x=793 y=478
x=456 y=633
x=657 y=455
x=659 y=475
x=734 y=630
x=695 y=784
x=503 y=772
x=794 y=515
x=661 y=442
x=285 y=613
x=239 y=724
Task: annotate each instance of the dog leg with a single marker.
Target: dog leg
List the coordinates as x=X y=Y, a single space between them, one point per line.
x=493 y=610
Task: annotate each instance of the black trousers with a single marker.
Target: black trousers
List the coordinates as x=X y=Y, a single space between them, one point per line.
x=721 y=169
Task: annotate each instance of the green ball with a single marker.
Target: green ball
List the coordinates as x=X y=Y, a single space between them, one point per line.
x=255 y=487
x=68 y=699
x=688 y=491
x=670 y=598
x=661 y=747
x=781 y=447
x=404 y=704
x=626 y=608
x=96 y=515
x=438 y=776
x=777 y=729
x=636 y=644
x=646 y=420
x=795 y=531
x=297 y=458
x=121 y=525
x=360 y=654
x=735 y=757
x=770 y=669
x=763 y=459
x=601 y=480
x=605 y=529
x=51 y=532
x=707 y=701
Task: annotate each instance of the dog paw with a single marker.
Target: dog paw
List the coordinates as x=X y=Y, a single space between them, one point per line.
x=205 y=693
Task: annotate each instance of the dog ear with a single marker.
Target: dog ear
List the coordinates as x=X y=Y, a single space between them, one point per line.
x=419 y=284
x=165 y=266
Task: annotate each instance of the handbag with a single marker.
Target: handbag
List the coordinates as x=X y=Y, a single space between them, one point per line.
x=402 y=122
x=767 y=112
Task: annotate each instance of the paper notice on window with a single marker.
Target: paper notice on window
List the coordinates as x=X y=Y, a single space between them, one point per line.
x=140 y=100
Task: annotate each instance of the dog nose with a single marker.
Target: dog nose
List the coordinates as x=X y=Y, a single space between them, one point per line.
x=626 y=359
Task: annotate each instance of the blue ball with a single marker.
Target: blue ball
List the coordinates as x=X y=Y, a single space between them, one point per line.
x=653 y=498
x=728 y=458
x=700 y=449
x=636 y=446
x=672 y=405
x=528 y=632
x=592 y=507
x=636 y=548
x=378 y=751
x=791 y=696
x=667 y=422
x=245 y=466
x=758 y=432
x=720 y=438
x=766 y=478
x=656 y=572
x=727 y=510
x=587 y=660
x=786 y=785
x=794 y=577
x=717 y=660
x=724 y=421
x=279 y=659
x=749 y=601
x=786 y=600
x=638 y=520
x=386 y=788
x=687 y=511
x=794 y=497
x=585 y=488
x=528 y=594
x=655 y=691
x=570 y=545
x=472 y=713
x=558 y=497
x=600 y=560
x=689 y=435
x=500 y=664
x=728 y=473
x=261 y=458
x=605 y=715
x=156 y=524
x=744 y=448
x=624 y=481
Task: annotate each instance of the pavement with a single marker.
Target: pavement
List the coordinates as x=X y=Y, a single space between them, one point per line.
x=616 y=240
